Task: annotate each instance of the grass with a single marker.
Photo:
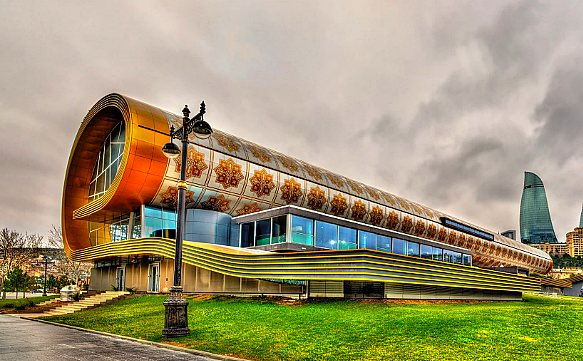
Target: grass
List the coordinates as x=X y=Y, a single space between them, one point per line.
x=540 y=328
x=23 y=303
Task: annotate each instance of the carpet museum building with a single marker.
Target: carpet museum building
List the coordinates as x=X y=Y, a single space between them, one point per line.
x=261 y=222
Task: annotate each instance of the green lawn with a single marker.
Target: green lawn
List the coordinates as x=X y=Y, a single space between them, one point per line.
x=22 y=303
x=538 y=329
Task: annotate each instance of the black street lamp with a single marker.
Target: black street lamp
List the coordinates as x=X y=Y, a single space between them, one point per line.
x=45 y=283
x=176 y=316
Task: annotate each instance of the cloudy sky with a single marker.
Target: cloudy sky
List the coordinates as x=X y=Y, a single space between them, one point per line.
x=445 y=103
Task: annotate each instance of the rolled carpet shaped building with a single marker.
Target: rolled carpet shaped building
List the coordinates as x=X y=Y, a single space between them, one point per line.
x=259 y=221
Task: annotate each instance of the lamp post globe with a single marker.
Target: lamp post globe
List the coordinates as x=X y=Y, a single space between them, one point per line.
x=171 y=150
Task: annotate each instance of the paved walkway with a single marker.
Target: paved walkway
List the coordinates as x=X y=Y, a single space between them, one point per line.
x=30 y=340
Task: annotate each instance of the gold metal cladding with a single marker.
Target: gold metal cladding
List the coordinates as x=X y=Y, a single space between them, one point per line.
x=181 y=185
x=140 y=173
x=361 y=264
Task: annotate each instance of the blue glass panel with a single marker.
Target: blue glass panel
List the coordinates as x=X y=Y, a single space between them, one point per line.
x=346 y=238
x=384 y=243
x=399 y=246
x=263 y=232
x=437 y=254
x=426 y=251
x=302 y=230
x=326 y=235
x=412 y=249
x=367 y=240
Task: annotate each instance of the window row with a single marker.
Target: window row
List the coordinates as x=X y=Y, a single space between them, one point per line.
x=327 y=235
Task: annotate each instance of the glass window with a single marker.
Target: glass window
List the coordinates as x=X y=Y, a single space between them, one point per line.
x=437 y=254
x=426 y=251
x=346 y=238
x=326 y=235
x=247 y=234
x=412 y=249
x=367 y=240
x=451 y=256
x=302 y=230
x=457 y=257
x=278 y=229
x=399 y=246
x=107 y=162
x=384 y=243
x=467 y=259
x=262 y=232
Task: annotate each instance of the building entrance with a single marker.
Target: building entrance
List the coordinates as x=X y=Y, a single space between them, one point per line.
x=120 y=279
x=154 y=278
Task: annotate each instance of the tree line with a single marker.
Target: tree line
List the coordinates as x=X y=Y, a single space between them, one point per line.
x=19 y=250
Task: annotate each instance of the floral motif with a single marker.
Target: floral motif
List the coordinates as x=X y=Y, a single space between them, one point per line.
x=195 y=164
x=356 y=187
x=442 y=235
x=376 y=215
x=259 y=153
x=358 y=210
x=262 y=183
x=312 y=172
x=429 y=212
x=170 y=197
x=291 y=191
x=389 y=198
x=288 y=163
x=417 y=209
x=373 y=193
x=452 y=237
x=335 y=179
x=219 y=204
x=404 y=204
x=431 y=231
x=228 y=173
x=419 y=228
x=248 y=208
x=316 y=198
x=393 y=220
x=461 y=240
x=226 y=142
x=339 y=205
x=407 y=224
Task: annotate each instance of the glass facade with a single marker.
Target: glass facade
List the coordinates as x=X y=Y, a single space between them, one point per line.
x=107 y=162
x=116 y=229
x=159 y=222
x=535 y=220
x=328 y=235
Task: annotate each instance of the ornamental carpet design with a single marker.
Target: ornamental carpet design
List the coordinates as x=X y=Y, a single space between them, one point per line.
x=219 y=204
x=357 y=188
x=404 y=204
x=228 y=173
x=431 y=231
x=195 y=164
x=338 y=205
x=259 y=153
x=358 y=210
x=312 y=172
x=248 y=208
x=376 y=215
x=393 y=220
x=316 y=198
x=170 y=197
x=442 y=236
x=226 y=142
x=262 y=183
x=335 y=179
x=419 y=228
x=291 y=191
x=407 y=224
x=288 y=163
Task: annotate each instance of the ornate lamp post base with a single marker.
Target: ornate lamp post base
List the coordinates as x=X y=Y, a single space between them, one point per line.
x=176 y=319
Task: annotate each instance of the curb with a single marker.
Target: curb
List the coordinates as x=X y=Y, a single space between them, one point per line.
x=145 y=342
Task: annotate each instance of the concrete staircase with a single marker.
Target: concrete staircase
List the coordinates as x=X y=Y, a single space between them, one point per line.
x=86 y=303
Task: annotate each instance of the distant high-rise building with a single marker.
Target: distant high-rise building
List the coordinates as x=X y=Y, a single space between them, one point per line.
x=511 y=233
x=581 y=218
x=535 y=220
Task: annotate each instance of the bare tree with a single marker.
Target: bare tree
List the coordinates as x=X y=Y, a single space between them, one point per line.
x=73 y=270
x=16 y=250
